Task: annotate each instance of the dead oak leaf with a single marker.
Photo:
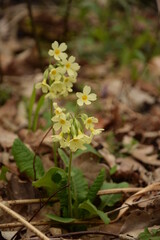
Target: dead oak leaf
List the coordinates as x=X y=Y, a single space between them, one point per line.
x=145 y=154
x=7 y=138
x=136 y=197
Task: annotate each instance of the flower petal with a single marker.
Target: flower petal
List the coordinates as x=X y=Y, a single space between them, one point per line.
x=71 y=59
x=80 y=102
x=50 y=52
x=79 y=94
x=86 y=90
x=55 y=44
x=92 y=97
x=63 y=47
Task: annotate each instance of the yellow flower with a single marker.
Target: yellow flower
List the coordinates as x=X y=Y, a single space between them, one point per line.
x=89 y=122
x=96 y=131
x=61 y=123
x=77 y=142
x=57 y=110
x=85 y=97
x=70 y=66
x=43 y=85
x=58 y=51
x=56 y=73
x=59 y=138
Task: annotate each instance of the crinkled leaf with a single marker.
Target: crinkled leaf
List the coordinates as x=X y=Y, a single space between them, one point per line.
x=93 y=211
x=51 y=180
x=60 y=219
x=79 y=185
x=24 y=160
x=92 y=193
x=111 y=199
x=64 y=157
x=89 y=148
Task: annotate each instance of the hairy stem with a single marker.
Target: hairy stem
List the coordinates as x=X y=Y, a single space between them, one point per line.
x=54 y=147
x=69 y=185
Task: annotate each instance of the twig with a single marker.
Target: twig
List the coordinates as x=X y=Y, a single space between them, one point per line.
x=118 y=190
x=59 y=190
x=29 y=201
x=39 y=223
x=23 y=221
x=16 y=224
x=35 y=155
x=29 y=7
x=133 y=204
x=82 y=233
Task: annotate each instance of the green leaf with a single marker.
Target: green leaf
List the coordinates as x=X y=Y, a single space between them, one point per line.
x=93 y=211
x=92 y=193
x=30 y=107
x=153 y=234
x=51 y=180
x=64 y=157
x=79 y=185
x=60 y=219
x=4 y=170
x=113 y=170
x=24 y=160
x=63 y=197
x=36 y=115
x=89 y=148
x=111 y=199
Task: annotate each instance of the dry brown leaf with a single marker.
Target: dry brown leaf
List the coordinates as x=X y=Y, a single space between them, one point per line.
x=132 y=199
x=145 y=154
x=7 y=138
x=129 y=168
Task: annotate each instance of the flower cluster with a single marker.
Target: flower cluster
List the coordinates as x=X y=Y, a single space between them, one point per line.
x=70 y=131
x=58 y=79
x=74 y=132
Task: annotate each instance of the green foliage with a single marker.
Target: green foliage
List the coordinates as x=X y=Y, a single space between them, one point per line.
x=4 y=170
x=33 y=118
x=113 y=170
x=51 y=180
x=30 y=107
x=36 y=115
x=60 y=219
x=89 y=148
x=79 y=189
x=5 y=94
x=111 y=199
x=92 y=193
x=153 y=234
x=24 y=160
x=64 y=157
x=93 y=211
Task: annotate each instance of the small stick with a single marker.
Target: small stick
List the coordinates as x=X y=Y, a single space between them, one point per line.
x=118 y=190
x=17 y=224
x=23 y=221
x=59 y=190
x=133 y=204
x=82 y=233
x=40 y=223
x=35 y=155
x=28 y=201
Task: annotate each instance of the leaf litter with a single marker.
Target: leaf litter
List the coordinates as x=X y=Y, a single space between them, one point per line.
x=128 y=112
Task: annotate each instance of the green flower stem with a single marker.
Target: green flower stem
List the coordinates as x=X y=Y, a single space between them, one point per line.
x=54 y=147
x=69 y=186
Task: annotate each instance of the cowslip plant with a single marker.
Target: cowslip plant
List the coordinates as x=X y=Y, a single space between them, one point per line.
x=74 y=133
